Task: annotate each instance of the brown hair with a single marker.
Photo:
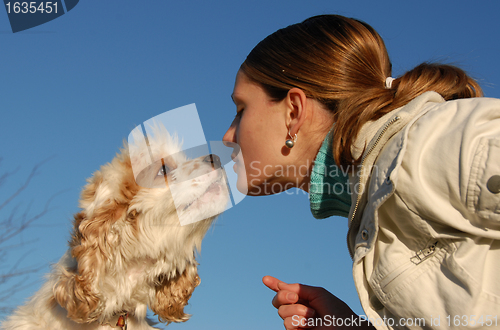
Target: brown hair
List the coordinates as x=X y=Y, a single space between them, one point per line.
x=343 y=63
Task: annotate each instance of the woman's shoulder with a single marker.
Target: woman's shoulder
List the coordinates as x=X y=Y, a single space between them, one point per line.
x=431 y=117
x=475 y=106
x=450 y=153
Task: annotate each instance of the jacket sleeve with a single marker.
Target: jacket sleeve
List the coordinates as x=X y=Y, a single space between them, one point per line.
x=480 y=165
x=452 y=164
x=482 y=196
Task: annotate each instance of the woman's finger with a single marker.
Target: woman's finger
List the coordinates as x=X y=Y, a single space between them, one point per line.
x=306 y=292
x=271 y=282
x=317 y=298
x=297 y=310
x=284 y=297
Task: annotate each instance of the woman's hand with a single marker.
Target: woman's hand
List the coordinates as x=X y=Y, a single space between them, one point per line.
x=308 y=307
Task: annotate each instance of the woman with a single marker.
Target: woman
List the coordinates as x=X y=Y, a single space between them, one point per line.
x=412 y=162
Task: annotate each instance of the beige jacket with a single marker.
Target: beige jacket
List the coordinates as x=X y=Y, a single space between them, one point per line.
x=425 y=230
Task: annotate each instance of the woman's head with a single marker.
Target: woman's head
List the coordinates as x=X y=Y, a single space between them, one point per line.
x=330 y=57
x=335 y=68
x=333 y=59
x=343 y=63
x=261 y=128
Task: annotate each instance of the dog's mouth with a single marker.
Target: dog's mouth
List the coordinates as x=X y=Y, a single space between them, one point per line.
x=214 y=189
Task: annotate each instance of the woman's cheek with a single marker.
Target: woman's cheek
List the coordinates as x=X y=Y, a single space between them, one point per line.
x=254 y=173
x=254 y=178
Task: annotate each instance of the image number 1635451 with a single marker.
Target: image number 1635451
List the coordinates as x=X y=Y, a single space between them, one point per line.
x=32 y=7
x=24 y=15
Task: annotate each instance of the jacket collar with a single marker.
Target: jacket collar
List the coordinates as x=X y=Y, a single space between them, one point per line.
x=371 y=144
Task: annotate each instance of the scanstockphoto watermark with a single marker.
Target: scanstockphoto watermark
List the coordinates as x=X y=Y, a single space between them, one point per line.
x=456 y=321
x=355 y=321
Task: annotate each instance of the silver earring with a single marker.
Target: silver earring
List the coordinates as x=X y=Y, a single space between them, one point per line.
x=291 y=141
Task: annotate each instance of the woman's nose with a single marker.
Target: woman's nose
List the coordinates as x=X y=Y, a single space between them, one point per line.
x=230 y=135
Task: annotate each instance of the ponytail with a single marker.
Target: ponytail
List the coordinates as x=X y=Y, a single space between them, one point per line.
x=449 y=81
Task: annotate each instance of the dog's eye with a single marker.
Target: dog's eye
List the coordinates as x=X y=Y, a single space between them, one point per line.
x=164 y=170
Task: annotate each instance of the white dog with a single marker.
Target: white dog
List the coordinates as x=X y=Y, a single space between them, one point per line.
x=128 y=251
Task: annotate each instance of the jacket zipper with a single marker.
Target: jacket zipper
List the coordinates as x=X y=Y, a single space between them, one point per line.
x=401 y=274
x=358 y=198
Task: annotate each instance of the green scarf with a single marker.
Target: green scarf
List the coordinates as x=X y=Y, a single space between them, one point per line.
x=329 y=192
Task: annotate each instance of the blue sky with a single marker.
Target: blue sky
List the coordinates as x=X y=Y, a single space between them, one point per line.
x=72 y=89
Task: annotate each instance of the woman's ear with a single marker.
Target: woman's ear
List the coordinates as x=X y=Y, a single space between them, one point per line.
x=297 y=110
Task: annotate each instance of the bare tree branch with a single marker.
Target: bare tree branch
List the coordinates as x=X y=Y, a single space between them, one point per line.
x=16 y=276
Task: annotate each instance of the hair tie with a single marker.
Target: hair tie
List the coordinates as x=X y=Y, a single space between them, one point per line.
x=388 y=82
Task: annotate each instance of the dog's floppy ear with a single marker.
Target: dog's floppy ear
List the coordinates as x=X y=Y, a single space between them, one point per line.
x=92 y=245
x=172 y=295
x=73 y=291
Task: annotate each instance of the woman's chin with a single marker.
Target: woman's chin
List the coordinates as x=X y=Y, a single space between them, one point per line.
x=264 y=189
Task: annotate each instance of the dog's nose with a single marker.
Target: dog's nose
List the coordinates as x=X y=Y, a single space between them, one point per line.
x=214 y=160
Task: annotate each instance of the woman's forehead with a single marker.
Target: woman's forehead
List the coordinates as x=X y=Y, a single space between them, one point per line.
x=242 y=86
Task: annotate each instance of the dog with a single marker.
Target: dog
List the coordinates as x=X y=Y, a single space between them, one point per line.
x=128 y=251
